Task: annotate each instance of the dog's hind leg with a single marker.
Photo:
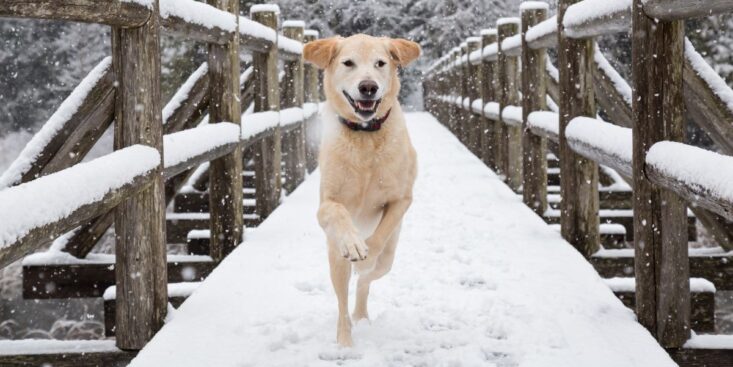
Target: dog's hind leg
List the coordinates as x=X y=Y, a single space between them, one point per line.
x=382 y=267
x=340 y=275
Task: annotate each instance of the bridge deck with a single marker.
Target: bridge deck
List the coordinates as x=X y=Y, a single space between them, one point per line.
x=479 y=280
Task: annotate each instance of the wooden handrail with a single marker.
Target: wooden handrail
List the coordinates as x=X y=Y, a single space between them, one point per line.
x=110 y=12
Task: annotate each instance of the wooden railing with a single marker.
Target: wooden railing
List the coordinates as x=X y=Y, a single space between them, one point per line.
x=474 y=90
x=159 y=150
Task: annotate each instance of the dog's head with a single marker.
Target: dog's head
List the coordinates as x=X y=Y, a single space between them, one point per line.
x=360 y=72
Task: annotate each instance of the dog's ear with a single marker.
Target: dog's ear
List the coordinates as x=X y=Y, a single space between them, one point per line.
x=403 y=51
x=321 y=52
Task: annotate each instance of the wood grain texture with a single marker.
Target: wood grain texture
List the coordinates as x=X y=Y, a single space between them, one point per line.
x=71 y=359
x=660 y=240
x=196 y=32
x=669 y=10
x=268 y=154
x=140 y=220
x=534 y=98
x=109 y=12
x=579 y=186
x=511 y=136
x=225 y=173
x=293 y=95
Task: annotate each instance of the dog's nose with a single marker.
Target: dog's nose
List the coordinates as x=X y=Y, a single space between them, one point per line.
x=368 y=88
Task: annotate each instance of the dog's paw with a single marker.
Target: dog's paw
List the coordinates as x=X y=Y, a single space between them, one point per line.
x=353 y=248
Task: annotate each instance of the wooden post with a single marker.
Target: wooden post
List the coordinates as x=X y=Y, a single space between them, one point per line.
x=534 y=98
x=488 y=88
x=140 y=265
x=455 y=91
x=294 y=97
x=579 y=184
x=511 y=136
x=660 y=229
x=463 y=93
x=268 y=152
x=225 y=173
x=311 y=96
x=473 y=88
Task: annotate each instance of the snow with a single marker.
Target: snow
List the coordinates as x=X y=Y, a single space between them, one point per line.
x=146 y=3
x=491 y=51
x=294 y=24
x=183 y=145
x=588 y=10
x=311 y=32
x=491 y=111
x=511 y=43
x=500 y=288
x=250 y=28
x=47 y=346
x=182 y=93
x=710 y=341
x=178 y=290
x=198 y=13
x=623 y=88
x=289 y=45
x=292 y=115
x=50 y=198
x=713 y=80
x=697 y=285
x=512 y=115
x=53 y=126
x=508 y=20
x=258 y=8
x=310 y=109
x=259 y=122
x=488 y=32
x=477 y=106
x=64 y=258
x=552 y=70
x=612 y=139
x=546 y=121
x=706 y=170
x=534 y=5
x=542 y=29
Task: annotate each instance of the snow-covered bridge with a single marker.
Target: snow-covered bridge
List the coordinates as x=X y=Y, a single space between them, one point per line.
x=540 y=221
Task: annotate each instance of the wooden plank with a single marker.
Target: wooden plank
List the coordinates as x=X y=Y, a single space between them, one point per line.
x=534 y=98
x=716 y=268
x=225 y=173
x=109 y=12
x=196 y=32
x=601 y=24
x=87 y=280
x=691 y=357
x=192 y=108
x=607 y=93
x=511 y=136
x=118 y=358
x=311 y=96
x=579 y=186
x=110 y=312
x=702 y=317
x=669 y=10
x=293 y=95
x=40 y=236
x=194 y=161
x=268 y=154
x=139 y=220
x=660 y=241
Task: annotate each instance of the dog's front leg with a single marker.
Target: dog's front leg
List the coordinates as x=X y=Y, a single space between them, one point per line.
x=391 y=219
x=340 y=230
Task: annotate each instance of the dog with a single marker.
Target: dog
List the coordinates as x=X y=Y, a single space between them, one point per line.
x=368 y=164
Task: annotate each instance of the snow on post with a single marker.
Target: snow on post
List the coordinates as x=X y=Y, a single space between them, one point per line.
x=534 y=5
x=264 y=8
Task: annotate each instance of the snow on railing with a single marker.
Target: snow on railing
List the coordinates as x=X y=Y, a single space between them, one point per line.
x=711 y=78
x=184 y=145
x=620 y=84
x=291 y=116
x=545 y=123
x=259 y=122
x=30 y=154
x=512 y=115
x=196 y=12
x=602 y=142
x=248 y=27
x=57 y=196
x=615 y=16
x=182 y=93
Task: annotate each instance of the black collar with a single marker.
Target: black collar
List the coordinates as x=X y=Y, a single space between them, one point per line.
x=371 y=125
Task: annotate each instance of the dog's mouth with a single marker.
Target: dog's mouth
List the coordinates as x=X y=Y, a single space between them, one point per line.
x=363 y=107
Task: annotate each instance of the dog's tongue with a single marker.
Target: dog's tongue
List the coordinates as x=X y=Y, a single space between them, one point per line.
x=365 y=105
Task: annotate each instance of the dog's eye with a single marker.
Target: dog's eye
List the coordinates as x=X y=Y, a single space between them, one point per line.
x=381 y=63
x=348 y=63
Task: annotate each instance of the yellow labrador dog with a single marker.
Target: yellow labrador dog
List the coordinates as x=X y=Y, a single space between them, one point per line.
x=368 y=165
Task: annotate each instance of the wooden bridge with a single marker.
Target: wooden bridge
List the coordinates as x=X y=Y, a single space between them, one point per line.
x=548 y=195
